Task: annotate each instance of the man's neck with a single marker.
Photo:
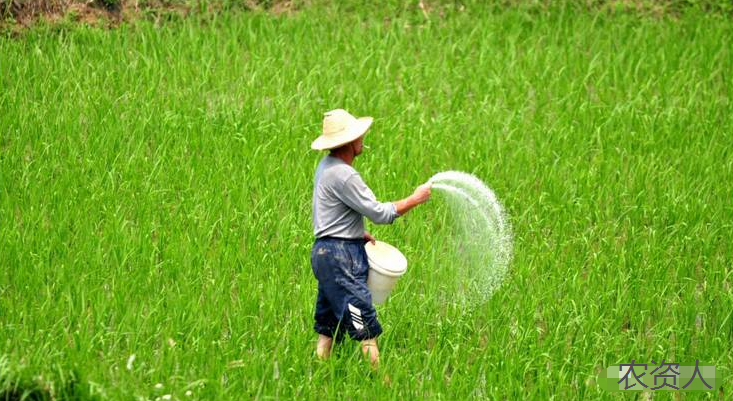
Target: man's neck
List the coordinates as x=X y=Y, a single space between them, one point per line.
x=347 y=157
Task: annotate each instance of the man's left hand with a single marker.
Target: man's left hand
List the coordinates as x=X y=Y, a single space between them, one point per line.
x=370 y=238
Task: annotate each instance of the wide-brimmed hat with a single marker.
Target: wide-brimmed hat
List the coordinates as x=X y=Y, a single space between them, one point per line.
x=340 y=128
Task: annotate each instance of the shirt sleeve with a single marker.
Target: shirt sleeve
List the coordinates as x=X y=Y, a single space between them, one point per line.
x=359 y=197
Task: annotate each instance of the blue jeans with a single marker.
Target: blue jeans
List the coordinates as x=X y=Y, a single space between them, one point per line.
x=344 y=301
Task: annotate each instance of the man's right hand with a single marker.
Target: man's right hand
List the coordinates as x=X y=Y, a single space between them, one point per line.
x=422 y=193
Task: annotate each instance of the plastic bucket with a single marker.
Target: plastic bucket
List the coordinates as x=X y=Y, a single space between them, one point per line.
x=386 y=265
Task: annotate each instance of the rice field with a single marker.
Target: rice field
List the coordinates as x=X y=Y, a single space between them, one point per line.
x=155 y=189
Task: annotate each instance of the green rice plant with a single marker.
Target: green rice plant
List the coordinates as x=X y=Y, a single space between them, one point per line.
x=155 y=188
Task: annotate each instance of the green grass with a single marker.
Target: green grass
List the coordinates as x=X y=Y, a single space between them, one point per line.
x=155 y=191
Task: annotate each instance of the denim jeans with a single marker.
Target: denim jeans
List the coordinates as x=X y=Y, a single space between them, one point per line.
x=344 y=301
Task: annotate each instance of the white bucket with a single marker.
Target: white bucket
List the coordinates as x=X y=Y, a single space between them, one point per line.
x=386 y=265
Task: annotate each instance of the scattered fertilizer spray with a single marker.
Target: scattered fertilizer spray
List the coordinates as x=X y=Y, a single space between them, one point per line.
x=485 y=246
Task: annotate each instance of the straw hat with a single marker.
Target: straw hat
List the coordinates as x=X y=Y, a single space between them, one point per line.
x=340 y=128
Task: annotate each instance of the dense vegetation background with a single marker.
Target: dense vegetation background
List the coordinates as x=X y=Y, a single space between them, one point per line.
x=155 y=184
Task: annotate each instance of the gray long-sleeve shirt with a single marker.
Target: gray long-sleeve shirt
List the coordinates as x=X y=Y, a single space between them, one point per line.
x=341 y=199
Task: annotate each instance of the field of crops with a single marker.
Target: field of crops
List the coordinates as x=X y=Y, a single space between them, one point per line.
x=155 y=189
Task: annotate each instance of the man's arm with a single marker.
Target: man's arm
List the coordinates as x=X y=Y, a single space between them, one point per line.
x=356 y=195
x=359 y=197
x=421 y=195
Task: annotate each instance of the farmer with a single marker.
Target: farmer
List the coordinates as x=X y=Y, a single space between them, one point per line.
x=339 y=261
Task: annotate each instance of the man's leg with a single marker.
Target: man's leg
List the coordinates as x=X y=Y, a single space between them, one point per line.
x=326 y=325
x=323 y=348
x=370 y=350
x=360 y=317
x=344 y=293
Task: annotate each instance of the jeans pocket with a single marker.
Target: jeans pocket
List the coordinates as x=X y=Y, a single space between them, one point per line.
x=344 y=260
x=362 y=261
x=319 y=256
x=358 y=261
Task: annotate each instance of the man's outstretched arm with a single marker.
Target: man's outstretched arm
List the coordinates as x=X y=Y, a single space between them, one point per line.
x=420 y=196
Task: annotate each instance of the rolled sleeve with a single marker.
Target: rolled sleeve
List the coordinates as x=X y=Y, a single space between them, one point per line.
x=357 y=195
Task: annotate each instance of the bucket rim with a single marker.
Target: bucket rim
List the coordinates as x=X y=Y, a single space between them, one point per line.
x=401 y=261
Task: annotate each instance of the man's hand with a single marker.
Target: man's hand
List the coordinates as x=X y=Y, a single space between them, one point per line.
x=422 y=193
x=370 y=238
x=420 y=196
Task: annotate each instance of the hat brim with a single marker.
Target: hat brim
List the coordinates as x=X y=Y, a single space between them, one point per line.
x=353 y=132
